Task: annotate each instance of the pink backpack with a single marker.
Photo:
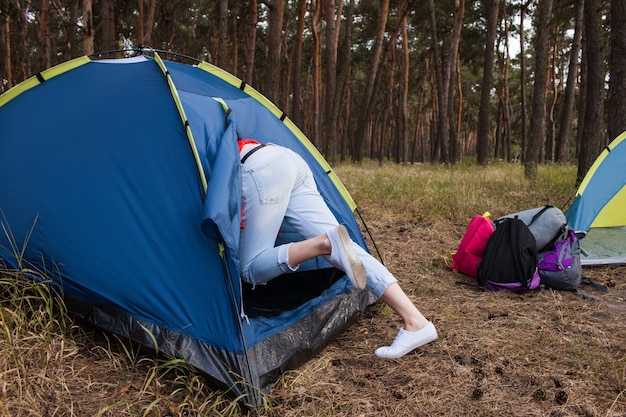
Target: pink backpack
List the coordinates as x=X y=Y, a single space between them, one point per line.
x=472 y=247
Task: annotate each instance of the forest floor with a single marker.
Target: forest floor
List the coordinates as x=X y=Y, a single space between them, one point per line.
x=541 y=353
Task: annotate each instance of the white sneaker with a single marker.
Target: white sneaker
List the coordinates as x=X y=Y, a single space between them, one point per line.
x=407 y=341
x=343 y=256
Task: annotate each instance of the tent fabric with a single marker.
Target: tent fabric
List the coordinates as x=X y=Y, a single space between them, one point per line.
x=120 y=181
x=599 y=206
x=604 y=245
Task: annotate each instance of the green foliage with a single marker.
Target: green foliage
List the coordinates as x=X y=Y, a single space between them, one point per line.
x=190 y=27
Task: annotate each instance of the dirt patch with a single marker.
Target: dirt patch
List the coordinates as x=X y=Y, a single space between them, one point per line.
x=542 y=353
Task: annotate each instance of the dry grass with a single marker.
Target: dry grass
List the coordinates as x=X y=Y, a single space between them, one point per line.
x=543 y=353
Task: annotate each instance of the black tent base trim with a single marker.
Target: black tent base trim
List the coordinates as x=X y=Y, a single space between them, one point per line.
x=249 y=376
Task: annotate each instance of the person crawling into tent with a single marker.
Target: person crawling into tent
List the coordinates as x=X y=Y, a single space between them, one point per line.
x=277 y=185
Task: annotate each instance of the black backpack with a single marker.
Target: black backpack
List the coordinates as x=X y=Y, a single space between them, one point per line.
x=510 y=259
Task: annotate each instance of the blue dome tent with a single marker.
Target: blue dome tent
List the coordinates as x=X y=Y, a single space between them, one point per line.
x=599 y=207
x=120 y=182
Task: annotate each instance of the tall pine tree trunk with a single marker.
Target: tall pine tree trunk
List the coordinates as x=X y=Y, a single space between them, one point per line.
x=150 y=22
x=363 y=132
x=551 y=123
x=451 y=78
x=484 y=112
x=316 y=23
x=332 y=30
x=617 y=67
x=108 y=38
x=6 y=51
x=522 y=58
x=563 y=141
x=537 y=131
x=442 y=135
x=43 y=44
x=276 y=11
x=506 y=97
x=70 y=50
x=403 y=136
x=222 y=35
x=342 y=93
x=234 y=30
x=593 y=139
x=296 y=107
x=140 y=23
x=250 y=43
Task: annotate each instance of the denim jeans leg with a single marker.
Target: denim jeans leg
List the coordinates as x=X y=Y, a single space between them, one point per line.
x=277 y=185
x=266 y=184
x=309 y=214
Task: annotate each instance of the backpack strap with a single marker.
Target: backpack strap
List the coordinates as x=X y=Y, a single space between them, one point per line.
x=539 y=213
x=555 y=238
x=481 y=279
x=584 y=296
x=599 y=287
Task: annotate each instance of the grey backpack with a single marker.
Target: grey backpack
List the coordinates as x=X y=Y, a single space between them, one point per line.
x=546 y=223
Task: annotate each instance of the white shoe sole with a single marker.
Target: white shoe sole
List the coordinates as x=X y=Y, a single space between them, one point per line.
x=352 y=265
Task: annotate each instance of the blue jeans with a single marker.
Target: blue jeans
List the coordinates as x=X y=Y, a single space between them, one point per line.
x=277 y=185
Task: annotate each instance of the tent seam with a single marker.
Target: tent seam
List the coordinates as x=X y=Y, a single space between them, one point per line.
x=183 y=116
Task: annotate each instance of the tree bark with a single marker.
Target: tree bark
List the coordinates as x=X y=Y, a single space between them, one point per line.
x=330 y=77
x=593 y=138
x=140 y=20
x=342 y=93
x=43 y=44
x=88 y=31
x=582 y=93
x=563 y=142
x=386 y=116
x=222 y=35
x=362 y=131
x=296 y=112
x=505 y=99
x=443 y=131
x=617 y=67
x=522 y=55
x=250 y=43
x=274 y=39
x=6 y=51
x=23 y=60
x=150 y=23
x=403 y=112
x=317 y=77
x=450 y=79
x=234 y=30
x=418 y=153
x=69 y=26
x=537 y=131
x=390 y=48
x=108 y=38
x=550 y=127
x=484 y=111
